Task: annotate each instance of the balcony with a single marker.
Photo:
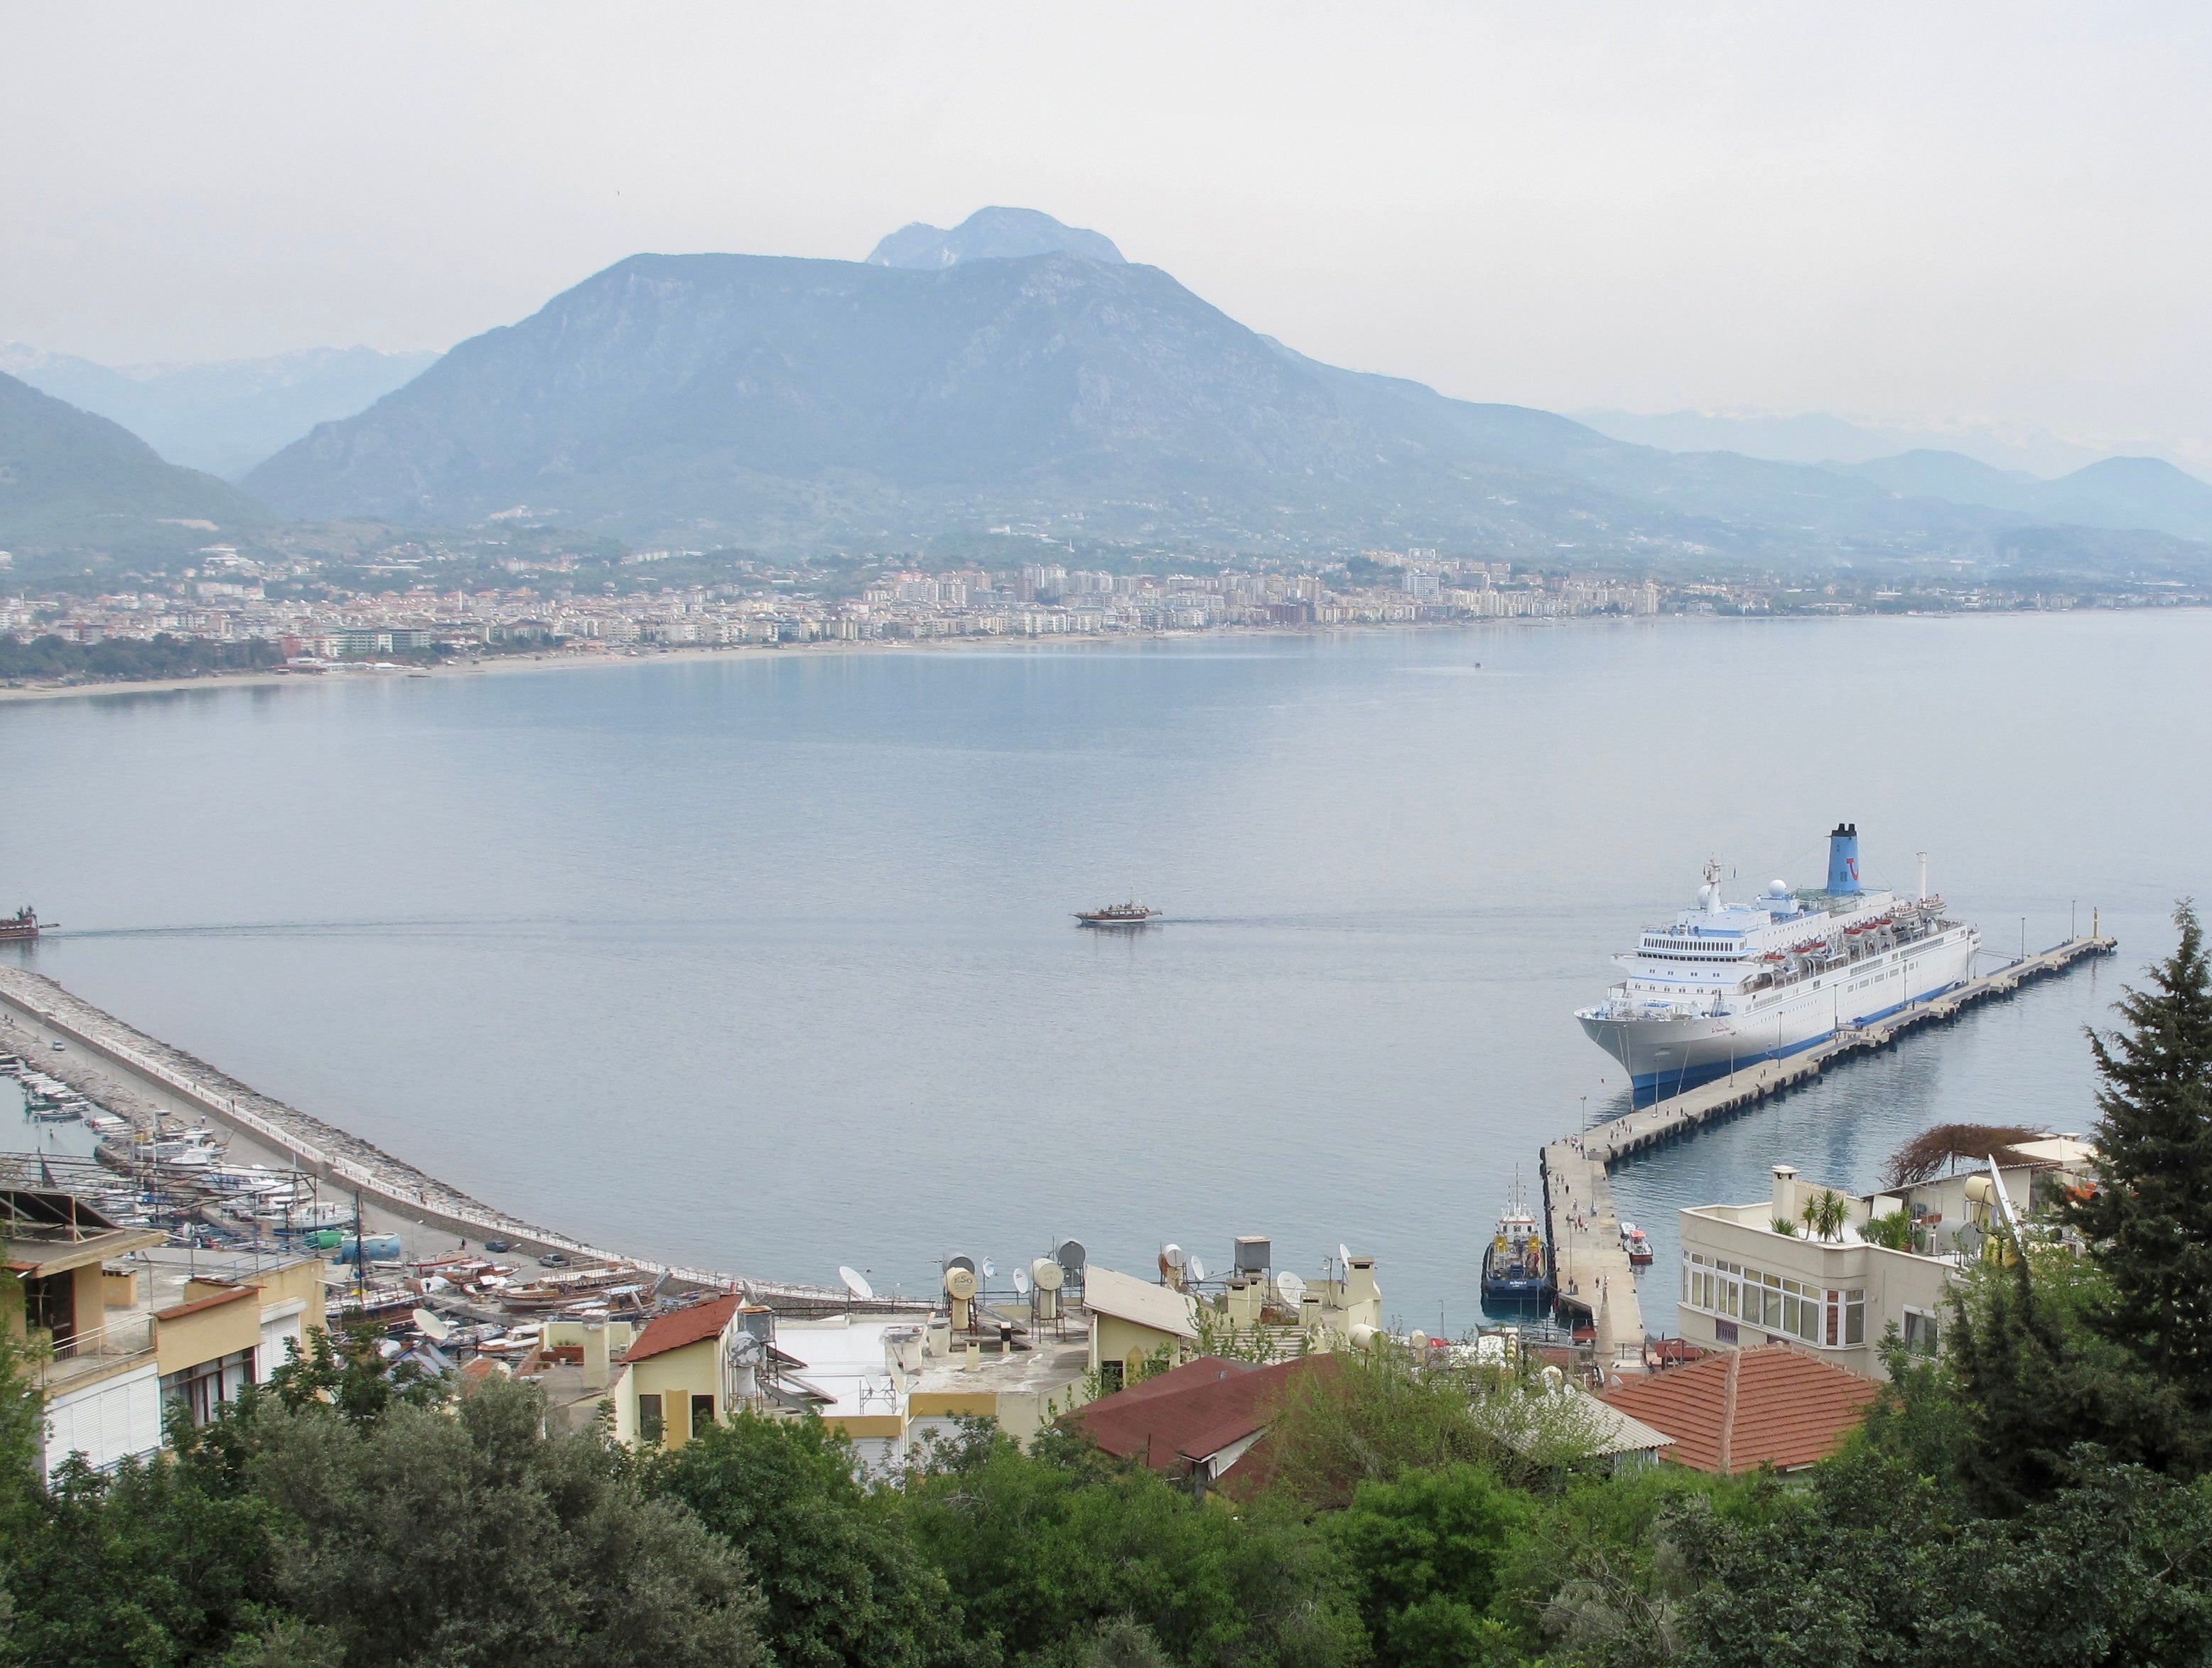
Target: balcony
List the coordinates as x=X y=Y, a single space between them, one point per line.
x=124 y=1340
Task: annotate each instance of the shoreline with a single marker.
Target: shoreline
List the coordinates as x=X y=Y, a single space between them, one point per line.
x=571 y=661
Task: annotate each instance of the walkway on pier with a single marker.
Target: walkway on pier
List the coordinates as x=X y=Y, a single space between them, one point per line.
x=1594 y=1273
x=168 y=1080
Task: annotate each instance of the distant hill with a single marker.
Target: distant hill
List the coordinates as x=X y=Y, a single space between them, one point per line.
x=778 y=402
x=223 y=417
x=70 y=479
x=1815 y=437
x=990 y=234
x=957 y=383
x=2147 y=493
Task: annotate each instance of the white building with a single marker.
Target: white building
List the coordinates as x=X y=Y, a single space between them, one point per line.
x=1745 y=1281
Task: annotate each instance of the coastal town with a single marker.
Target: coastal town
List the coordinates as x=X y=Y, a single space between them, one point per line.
x=266 y=609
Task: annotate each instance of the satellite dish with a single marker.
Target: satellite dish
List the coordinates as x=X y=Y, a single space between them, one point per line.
x=1293 y=1289
x=1197 y=1270
x=966 y=1263
x=960 y=1282
x=1344 y=1257
x=989 y=1268
x=1070 y=1255
x=436 y=1327
x=1047 y=1274
x=855 y=1281
x=1021 y=1283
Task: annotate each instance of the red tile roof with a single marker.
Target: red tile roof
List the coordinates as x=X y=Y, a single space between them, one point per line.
x=1197 y=1410
x=686 y=1326
x=1743 y=1408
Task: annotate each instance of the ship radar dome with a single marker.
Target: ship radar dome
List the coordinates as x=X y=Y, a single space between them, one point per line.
x=1777 y=889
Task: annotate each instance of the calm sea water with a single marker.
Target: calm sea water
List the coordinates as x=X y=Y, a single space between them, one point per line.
x=766 y=962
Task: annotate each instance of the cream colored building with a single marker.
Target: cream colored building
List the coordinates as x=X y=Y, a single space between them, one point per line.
x=679 y=1375
x=1745 y=1283
x=120 y=1324
x=92 y=1344
x=1134 y=1324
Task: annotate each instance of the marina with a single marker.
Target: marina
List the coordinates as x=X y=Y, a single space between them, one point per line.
x=167 y=1096
x=1595 y=1277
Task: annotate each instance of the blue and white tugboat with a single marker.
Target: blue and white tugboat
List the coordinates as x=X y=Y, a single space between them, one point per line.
x=1516 y=1269
x=1726 y=985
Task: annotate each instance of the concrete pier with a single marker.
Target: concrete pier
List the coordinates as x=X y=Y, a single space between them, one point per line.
x=37 y=1013
x=1595 y=1280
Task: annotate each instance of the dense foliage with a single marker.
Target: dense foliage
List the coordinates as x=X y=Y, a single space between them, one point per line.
x=132 y=659
x=2040 y=1495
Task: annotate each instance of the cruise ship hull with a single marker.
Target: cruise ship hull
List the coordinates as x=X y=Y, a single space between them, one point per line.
x=1664 y=1055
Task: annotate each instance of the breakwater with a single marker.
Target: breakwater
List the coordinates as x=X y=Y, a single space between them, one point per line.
x=160 y=1078
x=1596 y=1281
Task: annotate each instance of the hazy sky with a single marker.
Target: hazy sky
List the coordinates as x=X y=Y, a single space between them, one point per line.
x=1961 y=212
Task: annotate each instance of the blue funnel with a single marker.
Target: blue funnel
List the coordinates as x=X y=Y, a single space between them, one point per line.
x=1844 y=859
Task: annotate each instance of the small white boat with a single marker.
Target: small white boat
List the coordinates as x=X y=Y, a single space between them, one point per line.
x=305 y=1216
x=1637 y=1244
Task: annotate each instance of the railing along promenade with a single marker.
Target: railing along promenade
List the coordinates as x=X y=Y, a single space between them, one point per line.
x=330 y=1152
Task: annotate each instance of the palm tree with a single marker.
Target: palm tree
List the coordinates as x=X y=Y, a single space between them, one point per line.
x=1825 y=1213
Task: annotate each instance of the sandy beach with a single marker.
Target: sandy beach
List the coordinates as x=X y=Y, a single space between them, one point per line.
x=575 y=660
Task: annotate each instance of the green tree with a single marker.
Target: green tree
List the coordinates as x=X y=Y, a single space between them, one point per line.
x=348 y=1373
x=1875 y=1565
x=2036 y=1383
x=1042 y=1547
x=844 y=1584
x=1425 y=1552
x=154 y=1563
x=2150 y=1216
x=417 y=1536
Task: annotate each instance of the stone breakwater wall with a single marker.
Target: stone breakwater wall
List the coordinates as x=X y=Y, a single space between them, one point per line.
x=155 y=1074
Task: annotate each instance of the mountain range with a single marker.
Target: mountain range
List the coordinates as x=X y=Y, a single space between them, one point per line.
x=226 y=416
x=1016 y=373
x=1017 y=376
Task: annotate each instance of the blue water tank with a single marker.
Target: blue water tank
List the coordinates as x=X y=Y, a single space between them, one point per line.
x=1844 y=858
x=374 y=1248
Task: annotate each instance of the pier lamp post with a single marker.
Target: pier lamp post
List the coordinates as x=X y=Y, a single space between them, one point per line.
x=1585 y=1114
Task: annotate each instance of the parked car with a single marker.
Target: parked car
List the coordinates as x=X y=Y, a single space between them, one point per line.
x=498 y=1247
x=553 y=1260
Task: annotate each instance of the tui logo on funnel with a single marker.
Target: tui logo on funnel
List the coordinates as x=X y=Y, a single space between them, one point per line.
x=1844 y=860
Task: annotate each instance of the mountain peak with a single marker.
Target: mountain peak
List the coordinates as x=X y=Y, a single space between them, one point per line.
x=991 y=234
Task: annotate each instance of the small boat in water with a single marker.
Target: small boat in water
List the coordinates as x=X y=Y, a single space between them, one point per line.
x=22 y=925
x=1517 y=1267
x=1637 y=1244
x=1131 y=914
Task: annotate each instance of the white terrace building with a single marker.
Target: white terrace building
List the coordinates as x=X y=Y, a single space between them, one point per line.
x=1745 y=1283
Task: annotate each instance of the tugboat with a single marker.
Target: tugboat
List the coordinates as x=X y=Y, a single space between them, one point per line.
x=1637 y=1244
x=19 y=927
x=1515 y=1268
x=1131 y=914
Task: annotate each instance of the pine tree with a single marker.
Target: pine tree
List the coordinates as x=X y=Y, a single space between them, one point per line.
x=2151 y=1215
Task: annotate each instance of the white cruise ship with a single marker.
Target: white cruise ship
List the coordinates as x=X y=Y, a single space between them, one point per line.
x=1728 y=984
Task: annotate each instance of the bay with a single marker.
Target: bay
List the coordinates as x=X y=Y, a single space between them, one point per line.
x=767 y=961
